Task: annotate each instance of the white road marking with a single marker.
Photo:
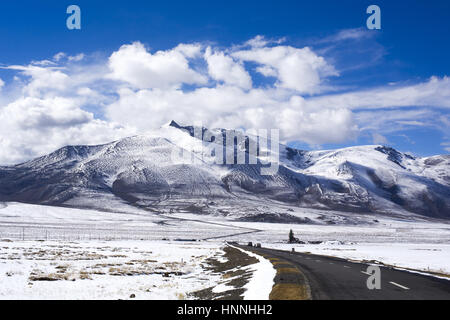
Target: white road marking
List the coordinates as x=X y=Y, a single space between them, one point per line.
x=369 y=274
x=331 y=263
x=347 y=267
x=317 y=260
x=399 y=285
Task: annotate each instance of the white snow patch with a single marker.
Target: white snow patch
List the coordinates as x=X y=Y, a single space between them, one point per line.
x=261 y=282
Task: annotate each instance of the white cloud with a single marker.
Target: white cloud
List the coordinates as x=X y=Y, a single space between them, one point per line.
x=446 y=146
x=42 y=78
x=297 y=69
x=189 y=50
x=379 y=139
x=77 y=57
x=33 y=127
x=267 y=71
x=260 y=41
x=164 y=69
x=222 y=67
x=2 y=83
x=394 y=120
x=62 y=55
x=434 y=92
x=349 y=34
x=59 y=56
x=232 y=107
x=412 y=123
x=43 y=63
x=38 y=113
x=257 y=42
x=232 y=102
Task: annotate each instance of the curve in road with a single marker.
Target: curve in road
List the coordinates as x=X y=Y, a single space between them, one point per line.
x=340 y=279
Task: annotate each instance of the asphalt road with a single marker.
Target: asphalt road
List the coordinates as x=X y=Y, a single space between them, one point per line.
x=334 y=278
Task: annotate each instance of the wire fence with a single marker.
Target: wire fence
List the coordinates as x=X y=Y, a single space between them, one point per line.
x=47 y=233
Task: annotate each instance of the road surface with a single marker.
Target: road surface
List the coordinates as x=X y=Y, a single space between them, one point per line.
x=334 y=278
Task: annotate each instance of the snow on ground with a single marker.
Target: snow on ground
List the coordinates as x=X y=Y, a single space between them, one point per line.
x=103 y=269
x=385 y=231
x=25 y=221
x=261 y=283
x=115 y=255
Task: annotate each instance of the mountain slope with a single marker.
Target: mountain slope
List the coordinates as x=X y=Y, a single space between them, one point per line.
x=141 y=170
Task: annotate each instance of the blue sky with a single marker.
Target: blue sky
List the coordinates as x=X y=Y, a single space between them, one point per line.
x=411 y=48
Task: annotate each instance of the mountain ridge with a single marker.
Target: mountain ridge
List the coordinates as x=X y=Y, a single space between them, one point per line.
x=140 y=170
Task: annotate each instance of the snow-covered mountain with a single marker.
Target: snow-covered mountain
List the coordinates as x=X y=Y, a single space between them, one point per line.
x=141 y=170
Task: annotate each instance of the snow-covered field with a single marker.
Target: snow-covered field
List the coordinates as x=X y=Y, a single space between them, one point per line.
x=103 y=269
x=31 y=222
x=61 y=253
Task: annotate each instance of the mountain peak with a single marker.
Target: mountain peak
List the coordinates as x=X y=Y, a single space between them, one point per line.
x=174 y=124
x=141 y=170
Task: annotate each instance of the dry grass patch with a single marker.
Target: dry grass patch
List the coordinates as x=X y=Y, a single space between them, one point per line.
x=48 y=277
x=288 y=291
x=288 y=270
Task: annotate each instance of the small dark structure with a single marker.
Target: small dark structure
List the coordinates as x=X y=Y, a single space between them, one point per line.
x=293 y=239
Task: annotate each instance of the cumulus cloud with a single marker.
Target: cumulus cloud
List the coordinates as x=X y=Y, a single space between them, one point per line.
x=233 y=107
x=231 y=101
x=41 y=78
x=33 y=126
x=223 y=68
x=134 y=64
x=35 y=113
x=297 y=69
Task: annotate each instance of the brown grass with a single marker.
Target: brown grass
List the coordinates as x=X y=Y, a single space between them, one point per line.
x=48 y=277
x=287 y=291
x=276 y=263
x=287 y=270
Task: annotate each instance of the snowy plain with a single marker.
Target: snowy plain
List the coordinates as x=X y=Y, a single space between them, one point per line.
x=103 y=269
x=62 y=253
x=142 y=255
